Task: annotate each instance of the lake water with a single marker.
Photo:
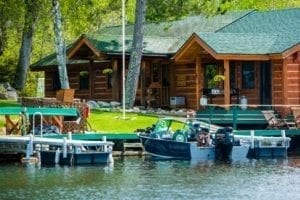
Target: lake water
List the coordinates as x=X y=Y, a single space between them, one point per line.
x=143 y=178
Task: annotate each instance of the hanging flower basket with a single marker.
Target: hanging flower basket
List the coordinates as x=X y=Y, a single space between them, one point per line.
x=107 y=71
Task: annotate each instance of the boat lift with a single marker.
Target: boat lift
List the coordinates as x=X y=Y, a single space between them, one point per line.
x=32 y=141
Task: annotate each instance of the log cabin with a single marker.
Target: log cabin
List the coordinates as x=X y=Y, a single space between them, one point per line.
x=257 y=53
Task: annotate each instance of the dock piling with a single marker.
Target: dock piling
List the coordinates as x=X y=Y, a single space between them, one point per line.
x=64 y=147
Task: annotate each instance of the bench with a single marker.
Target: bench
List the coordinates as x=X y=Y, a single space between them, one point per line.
x=232 y=117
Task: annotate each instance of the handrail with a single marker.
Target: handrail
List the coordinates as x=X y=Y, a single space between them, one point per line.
x=41 y=123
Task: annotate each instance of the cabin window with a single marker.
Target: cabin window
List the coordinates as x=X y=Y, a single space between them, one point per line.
x=109 y=81
x=211 y=70
x=232 y=75
x=248 y=75
x=56 y=82
x=84 y=80
x=155 y=73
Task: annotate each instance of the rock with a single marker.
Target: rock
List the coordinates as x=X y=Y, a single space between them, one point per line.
x=103 y=104
x=115 y=104
x=8 y=92
x=12 y=95
x=92 y=104
x=136 y=109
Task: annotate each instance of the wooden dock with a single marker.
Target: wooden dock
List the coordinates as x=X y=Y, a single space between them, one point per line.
x=28 y=145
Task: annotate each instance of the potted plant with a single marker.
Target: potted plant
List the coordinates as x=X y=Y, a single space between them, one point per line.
x=107 y=71
x=217 y=79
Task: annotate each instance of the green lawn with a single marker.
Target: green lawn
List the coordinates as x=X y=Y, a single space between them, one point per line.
x=103 y=121
x=8 y=103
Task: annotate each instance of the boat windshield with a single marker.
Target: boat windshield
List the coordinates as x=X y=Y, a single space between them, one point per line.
x=163 y=125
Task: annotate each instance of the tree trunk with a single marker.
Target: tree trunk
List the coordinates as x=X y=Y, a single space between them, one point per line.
x=136 y=54
x=60 y=47
x=26 y=46
x=3 y=37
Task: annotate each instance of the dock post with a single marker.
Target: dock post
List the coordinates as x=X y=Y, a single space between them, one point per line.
x=110 y=158
x=70 y=139
x=283 y=135
x=252 y=139
x=104 y=140
x=29 y=149
x=64 y=147
x=234 y=115
x=57 y=153
x=69 y=136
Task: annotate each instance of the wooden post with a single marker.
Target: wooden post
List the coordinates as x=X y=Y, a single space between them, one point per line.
x=198 y=68
x=91 y=79
x=226 y=83
x=115 y=79
x=143 y=83
x=285 y=86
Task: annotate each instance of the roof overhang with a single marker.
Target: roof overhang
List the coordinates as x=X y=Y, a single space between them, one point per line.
x=199 y=46
x=290 y=51
x=83 y=49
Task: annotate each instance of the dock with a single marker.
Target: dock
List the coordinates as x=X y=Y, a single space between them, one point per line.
x=30 y=145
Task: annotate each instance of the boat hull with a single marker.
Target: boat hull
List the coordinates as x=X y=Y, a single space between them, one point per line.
x=166 y=148
x=83 y=158
x=176 y=150
x=190 y=151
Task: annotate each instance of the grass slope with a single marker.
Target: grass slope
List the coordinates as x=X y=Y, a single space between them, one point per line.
x=104 y=121
x=107 y=122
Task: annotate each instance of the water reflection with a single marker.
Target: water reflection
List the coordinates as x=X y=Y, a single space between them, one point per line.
x=144 y=178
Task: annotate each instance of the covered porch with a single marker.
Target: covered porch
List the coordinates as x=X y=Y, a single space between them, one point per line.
x=261 y=79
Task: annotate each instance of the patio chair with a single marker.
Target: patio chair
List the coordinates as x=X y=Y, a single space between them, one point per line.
x=296 y=115
x=275 y=122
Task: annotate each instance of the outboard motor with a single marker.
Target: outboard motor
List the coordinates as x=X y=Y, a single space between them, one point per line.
x=224 y=141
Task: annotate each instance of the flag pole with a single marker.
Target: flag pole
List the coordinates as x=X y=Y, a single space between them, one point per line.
x=123 y=54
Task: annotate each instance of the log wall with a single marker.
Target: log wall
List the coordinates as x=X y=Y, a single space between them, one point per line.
x=185 y=83
x=100 y=89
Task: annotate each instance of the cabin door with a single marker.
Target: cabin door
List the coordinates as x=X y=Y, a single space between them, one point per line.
x=265 y=83
x=165 y=74
x=158 y=91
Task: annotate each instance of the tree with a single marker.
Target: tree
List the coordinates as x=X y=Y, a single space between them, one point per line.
x=60 y=47
x=179 y=8
x=136 y=54
x=10 y=15
x=31 y=14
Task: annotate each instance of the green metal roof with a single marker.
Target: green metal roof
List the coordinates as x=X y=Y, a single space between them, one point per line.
x=248 y=43
x=159 y=38
x=275 y=22
x=151 y=45
x=247 y=32
x=179 y=28
x=258 y=32
x=51 y=60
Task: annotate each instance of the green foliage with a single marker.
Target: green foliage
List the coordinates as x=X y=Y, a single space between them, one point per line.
x=82 y=16
x=107 y=71
x=263 y=5
x=168 y=10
